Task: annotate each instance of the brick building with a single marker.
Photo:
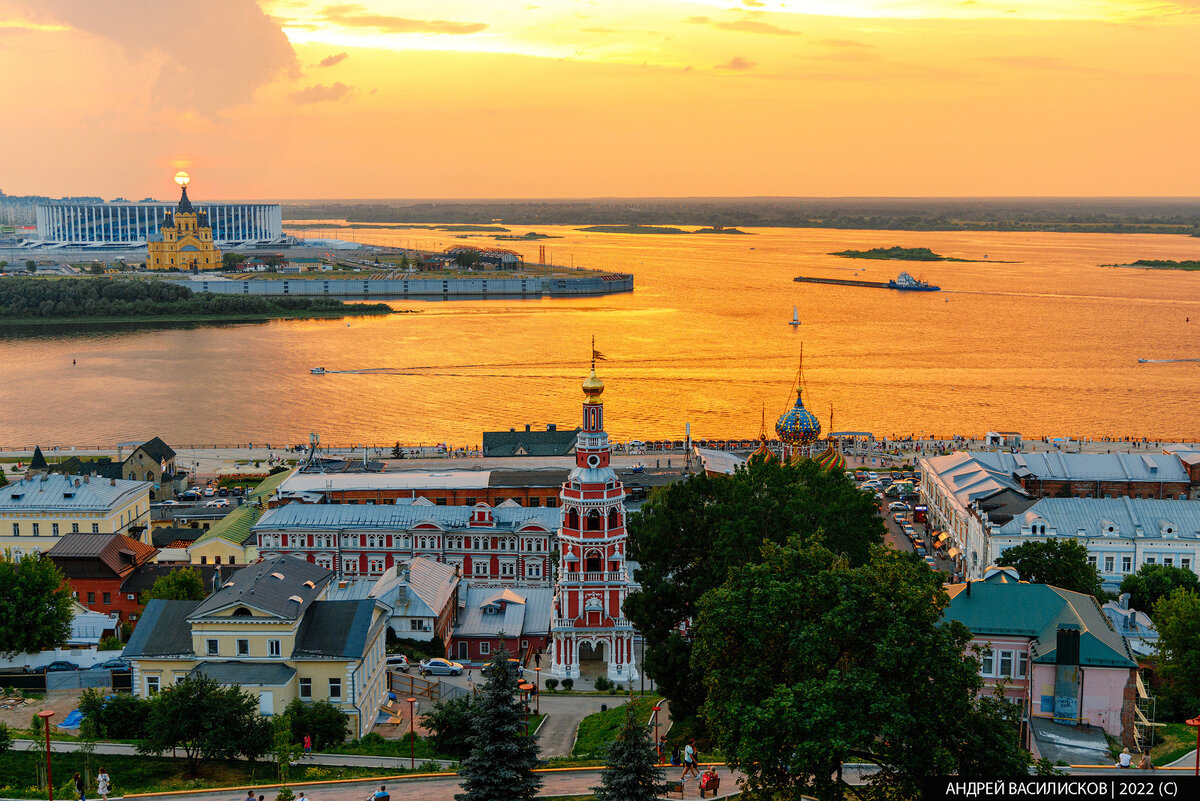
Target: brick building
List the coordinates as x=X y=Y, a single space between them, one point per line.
x=531 y=488
x=96 y=565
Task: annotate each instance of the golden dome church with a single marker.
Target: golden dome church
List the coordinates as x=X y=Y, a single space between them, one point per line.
x=185 y=240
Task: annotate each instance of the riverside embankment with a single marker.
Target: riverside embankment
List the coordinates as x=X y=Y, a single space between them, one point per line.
x=420 y=288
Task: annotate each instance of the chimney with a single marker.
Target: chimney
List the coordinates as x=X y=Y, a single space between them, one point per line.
x=112 y=482
x=1123 y=600
x=1067 y=645
x=552 y=426
x=120 y=450
x=527 y=426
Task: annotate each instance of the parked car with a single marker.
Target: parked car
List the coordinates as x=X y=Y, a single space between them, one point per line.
x=219 y=503
x=440 y=666
x=113 y=664
x=899 y=518
x=513 y=664
x=56 y=667
x=209 y=492
x=168 y=502
x=898 y=506
x=920 y=551
x=223 y=492
x=873 y=476
x=192 y=494
x=860 y=475
x=398 y=662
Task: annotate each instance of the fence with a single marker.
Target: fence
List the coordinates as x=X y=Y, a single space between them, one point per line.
x=406 y=686
x=78 y=679
x=26 y=682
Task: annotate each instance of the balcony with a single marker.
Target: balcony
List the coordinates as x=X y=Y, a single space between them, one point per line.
x=569 y=623
x=618 y=575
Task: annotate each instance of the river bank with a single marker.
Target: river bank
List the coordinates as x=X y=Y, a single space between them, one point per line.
x=349 y=311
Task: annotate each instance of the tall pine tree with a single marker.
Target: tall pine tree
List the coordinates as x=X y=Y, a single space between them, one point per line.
x=631 y=772
x=500 y=767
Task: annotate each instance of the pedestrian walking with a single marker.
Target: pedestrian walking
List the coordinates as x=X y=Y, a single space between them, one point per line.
x=249 y=795
x=307 y=745
x=103 y=784
x=302 y=796
x=689 y=761
x=80 y=788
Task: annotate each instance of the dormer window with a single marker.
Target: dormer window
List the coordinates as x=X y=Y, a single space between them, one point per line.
x=242 y=611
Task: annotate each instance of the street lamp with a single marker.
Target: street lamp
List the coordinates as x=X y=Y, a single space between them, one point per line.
x=657 y=746
x=525 y=687
x=412 y=733
x=45 y=715
x=1193 y=722
x=537 y=696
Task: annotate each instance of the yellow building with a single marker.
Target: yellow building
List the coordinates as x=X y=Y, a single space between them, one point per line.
x=40 y=508
x=230 y=541
x=185 y=241
x=270 y=630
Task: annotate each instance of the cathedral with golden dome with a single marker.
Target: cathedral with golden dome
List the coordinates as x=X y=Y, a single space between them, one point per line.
x=799 y=430
x=185 y=239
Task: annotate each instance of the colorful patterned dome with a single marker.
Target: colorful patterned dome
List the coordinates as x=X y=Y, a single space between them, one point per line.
x=832 y=459
x=799 y=426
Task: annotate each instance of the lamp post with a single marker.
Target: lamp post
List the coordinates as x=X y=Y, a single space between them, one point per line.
x=412 y=732
x=45 y=715
x=537 y=696
x=1193 y=722
x=525 y=687
x=657 y=746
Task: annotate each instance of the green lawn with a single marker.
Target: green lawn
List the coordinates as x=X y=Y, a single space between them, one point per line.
x=138 y=774
x=597 y=731
x=1172 y=741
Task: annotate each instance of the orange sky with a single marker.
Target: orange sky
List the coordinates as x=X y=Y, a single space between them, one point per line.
x=561 y=98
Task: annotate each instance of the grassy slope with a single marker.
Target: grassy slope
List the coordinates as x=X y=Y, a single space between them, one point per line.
x=596 y=731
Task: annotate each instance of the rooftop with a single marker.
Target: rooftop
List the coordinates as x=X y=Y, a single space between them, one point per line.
x=1126 y=518
x=56 y=492
x=515 y=611
x=403 y=516
x=99 y=555
x=280 y=586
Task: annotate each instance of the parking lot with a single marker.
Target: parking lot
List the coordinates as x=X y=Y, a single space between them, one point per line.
x=902 y=532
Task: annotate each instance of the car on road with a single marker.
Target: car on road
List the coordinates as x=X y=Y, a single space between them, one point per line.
x=56 y=667
x=219 y=503
x=440 y=666
x=223 y=492
x=873 y=476
x=869 y=485
x=898 y=506
x=209 y=492
x=398 y=662
x=920 y=551
x=113 y=664
x=899 y=518
x=168 y=502
x=192 y=494
x=860 y=475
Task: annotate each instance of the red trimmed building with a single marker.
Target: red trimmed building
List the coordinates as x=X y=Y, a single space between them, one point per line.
x=95 y=566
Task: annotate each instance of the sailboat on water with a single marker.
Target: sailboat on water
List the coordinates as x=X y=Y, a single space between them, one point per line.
x=795 y=316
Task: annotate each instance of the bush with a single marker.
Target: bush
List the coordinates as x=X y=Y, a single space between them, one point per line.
x=568 y=684
x=284 y=794
x=120 y=716
x=110 y=643
x=551 y=684
x=5 y=738
x=322 y=721
x=450 y=722
x=602 y=684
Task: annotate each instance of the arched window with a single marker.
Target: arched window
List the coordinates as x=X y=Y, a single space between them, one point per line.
x=573 y=519
x=593 y=520
x=242 y=611
x=592 y=562
x=613 y=519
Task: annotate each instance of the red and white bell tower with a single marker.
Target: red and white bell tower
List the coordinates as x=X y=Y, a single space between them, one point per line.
x=593 y=579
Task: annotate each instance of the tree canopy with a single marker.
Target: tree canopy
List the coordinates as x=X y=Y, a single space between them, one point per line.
x=322 y=721
x=452 y=726
x=1177 y=619
x=631 y=770
x=178 y=585
x=1153 y=582
x=500 y=766
x=206 y=721
x=35 y=605
x=1057 y=562
x=688 y=536
x=810 y=662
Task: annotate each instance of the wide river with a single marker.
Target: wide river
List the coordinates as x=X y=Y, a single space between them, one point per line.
x=1045 y=344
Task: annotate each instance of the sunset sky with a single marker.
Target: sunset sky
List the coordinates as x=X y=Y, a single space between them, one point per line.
x=585 y=98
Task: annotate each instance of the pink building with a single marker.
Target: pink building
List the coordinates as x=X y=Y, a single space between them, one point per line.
x=1056 y=651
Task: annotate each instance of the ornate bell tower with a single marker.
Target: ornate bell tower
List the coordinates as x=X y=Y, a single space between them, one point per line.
x=593 y=579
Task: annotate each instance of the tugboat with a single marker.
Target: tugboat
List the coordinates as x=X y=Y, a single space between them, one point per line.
x=317 y=371
x=907 y=282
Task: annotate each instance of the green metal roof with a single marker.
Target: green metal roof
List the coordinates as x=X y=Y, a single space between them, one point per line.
x=233 y=527
x=1001 y=606
x=268 y=486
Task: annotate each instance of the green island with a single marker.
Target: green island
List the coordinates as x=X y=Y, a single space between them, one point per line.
x=896 y=253
x=526 y=237
x=36 y=301
x=656 y=229
x=1164 y=264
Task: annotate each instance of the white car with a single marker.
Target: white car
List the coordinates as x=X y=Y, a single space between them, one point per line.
x=218 y=503
x=398 y=662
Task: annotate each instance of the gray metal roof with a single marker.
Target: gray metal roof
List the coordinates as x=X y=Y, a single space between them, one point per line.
x=429 y=588
x=560 y=442
x=56 y=492
x=162 y=630
x=512 y=618
x=257 y=674
x=1055 y=465
x=1126 y=518
x=402 y=516
x=335 y=629
x=271 y=586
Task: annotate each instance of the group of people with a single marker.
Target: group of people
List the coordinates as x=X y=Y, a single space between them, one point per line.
x=103 y=785
x=1125 y=760
x=688 y=758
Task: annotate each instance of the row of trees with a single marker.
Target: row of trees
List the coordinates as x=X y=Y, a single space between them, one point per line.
x=85 y=297
x=770 y=607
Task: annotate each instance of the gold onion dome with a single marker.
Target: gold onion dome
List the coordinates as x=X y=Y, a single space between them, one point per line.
x=832 y=459
x=593 y=387
x=799 y=426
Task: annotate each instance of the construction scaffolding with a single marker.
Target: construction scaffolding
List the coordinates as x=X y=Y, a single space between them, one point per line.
x=1145 y=728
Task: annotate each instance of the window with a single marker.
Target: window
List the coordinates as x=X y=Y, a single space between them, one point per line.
x=1169 y=561
x=988 y=664
x=1092 y=561
x=213 y=648
x=1022 y=664
x=1108 y=564
x=508 y=569
x=1149 y=560
x=91 y=597
x=108 y=598
x=375 y=566
x=335 y=689
x=35 y=529
x=152 y=685
x=1185 y=563
x=273 y=648
x=1126 y=564
x=533 y=569
x=485 y=648
x=480 y=567
x=16 y=529
x=306 y=689
x=470 y=501
x=54 y=529
x=95 y=528
x=350 y=566
x=1006 y=663
x=243 y=648
x=74 y=528
x=204 y=560
x=440 y=502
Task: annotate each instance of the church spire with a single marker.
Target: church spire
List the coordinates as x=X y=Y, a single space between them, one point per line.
x=185 y=205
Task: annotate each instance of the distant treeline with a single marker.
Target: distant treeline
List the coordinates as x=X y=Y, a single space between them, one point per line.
x=26 y=298
x=935 y=214
x=1164 y=264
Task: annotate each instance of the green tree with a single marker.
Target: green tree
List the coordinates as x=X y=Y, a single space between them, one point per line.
x=3 y=478
x=286 y=751
x=396 y=451
x=178 y=585
x=5 y=738
x=452 y=725
x=120 y=716
x=500 y=767
x=322 y=721
x=35 y=605
x=810 y=662
x=31 y=265
x=1059 y=563
x=1153 y=582
x=206 y=721
x=467 y=258
x=631 y=771
x=688 y=536
x=1177 y=618
x=231 y=260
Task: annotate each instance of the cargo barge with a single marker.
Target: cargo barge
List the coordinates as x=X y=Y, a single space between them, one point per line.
x=904 y=281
